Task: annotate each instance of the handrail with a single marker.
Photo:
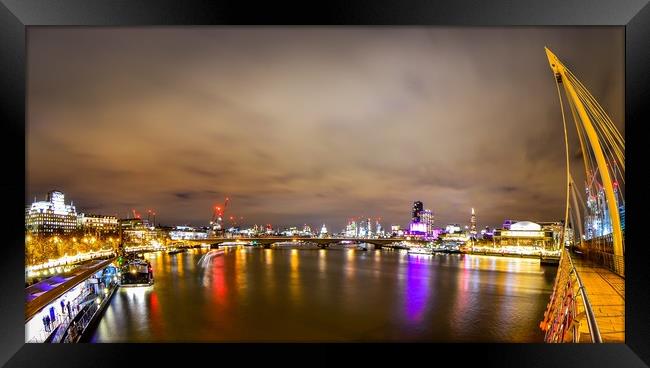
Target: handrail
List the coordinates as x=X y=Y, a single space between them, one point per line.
x=594 y=331
x=561 y=321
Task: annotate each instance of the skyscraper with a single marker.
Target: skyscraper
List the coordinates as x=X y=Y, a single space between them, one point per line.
x=472 y=224
x=417 y=207
x=351 y=229
x=426 y=217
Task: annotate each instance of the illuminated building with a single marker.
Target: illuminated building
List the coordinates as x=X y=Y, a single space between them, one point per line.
x=556 y=227
x=187 y=233
x=597 y=220
x=292 y=231
x=51 y=216
x=568 y=237
x=139 y=231
x=621 y=210
x=98 y=223
x=418 y=228
x=323 y=231
x=487 y=233
x=454 y=233
x=306 y=230
x=378 y=230
x=365 y=229
x=524 y=233
x=415 y=213
x=507 y=223
x=351 y=229
x=452 y=229
x=421 y=221
x=472 y=225
x=459 y=237
x=424 y=225
x=426 y=217
x=134 y=224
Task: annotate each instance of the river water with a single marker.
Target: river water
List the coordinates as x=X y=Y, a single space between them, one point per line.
x=251 y=294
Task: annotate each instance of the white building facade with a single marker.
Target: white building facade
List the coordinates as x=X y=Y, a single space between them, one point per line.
x=51 y=216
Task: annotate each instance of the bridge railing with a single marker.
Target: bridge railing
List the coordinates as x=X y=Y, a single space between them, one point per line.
x=600 y=251
x=569 y=308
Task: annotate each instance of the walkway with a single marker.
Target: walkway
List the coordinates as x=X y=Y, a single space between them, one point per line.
x=606 y=293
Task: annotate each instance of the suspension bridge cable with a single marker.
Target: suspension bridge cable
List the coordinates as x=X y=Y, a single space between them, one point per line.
x=568 y=174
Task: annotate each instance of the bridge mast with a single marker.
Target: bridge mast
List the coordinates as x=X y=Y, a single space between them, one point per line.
x=560 y=73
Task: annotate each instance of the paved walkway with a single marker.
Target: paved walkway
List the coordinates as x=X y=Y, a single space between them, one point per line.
x=606 y=293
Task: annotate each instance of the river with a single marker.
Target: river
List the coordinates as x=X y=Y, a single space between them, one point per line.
x=290 y=295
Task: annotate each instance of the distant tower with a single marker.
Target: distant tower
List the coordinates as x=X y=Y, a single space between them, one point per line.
x=323 y=231
x=472 y=224
x=415 y=214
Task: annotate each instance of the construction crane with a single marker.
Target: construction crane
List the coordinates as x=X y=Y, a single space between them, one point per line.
x=216 y=222
x=235 y=221
x=135 y=214
x=151 y=213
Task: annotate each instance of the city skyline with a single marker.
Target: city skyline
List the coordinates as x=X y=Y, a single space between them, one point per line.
x=70 y=207
x=312 y=126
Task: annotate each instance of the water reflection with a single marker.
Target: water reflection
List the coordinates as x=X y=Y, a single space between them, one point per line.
x=322 y=262
x=245 y=294
x=294 y=282
x=417 y=288
x=349 y=263
x=219 y=285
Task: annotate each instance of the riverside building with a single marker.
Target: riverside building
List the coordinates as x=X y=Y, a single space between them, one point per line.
x=51 y=216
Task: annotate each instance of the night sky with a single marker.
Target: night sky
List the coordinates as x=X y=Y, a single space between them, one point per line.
x=310 y=125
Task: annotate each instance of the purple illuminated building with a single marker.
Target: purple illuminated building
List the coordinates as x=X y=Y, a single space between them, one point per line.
x=422 y=222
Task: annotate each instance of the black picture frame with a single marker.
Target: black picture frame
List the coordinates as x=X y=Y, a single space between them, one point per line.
x=16 y=15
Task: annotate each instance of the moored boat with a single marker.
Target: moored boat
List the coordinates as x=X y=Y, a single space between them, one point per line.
x=420 y=250
x=136 y=272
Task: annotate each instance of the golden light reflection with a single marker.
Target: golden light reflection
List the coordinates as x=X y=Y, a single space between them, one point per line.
x=268 y=256
x=294 y=283
x=322 y=261
x=349 y=265
x=179 y=264
x=294 y=261
x=240 y=268
x=158 y=264
x=269 y=287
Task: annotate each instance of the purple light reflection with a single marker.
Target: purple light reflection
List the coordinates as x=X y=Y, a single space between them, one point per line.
x=417 y=287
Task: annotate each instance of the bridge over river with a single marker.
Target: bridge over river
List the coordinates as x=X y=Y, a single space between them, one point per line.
x=321 y=242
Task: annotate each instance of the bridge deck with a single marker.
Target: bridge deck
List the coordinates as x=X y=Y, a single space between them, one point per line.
x=606 y=293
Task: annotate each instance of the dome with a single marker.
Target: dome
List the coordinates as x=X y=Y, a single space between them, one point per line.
x=526 y=226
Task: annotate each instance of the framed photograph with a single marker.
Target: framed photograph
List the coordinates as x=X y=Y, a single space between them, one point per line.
x=436 y=180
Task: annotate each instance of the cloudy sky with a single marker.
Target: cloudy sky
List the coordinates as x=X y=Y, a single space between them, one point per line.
x=310 y=125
